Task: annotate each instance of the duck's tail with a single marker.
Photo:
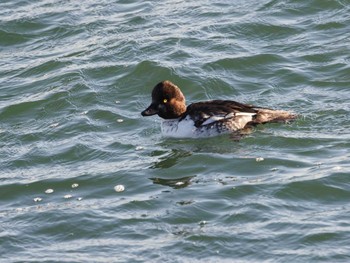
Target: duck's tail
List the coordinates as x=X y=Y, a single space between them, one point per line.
x=268 y=115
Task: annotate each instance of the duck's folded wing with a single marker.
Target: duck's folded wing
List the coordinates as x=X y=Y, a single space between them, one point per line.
x=205 y=113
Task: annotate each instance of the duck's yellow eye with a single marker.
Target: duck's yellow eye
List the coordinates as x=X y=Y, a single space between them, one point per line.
x=165 y=100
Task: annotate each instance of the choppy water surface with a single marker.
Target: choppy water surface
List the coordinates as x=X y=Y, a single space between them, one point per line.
x=75 y=76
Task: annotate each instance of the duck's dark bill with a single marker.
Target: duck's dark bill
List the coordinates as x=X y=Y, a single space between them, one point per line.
x=151 y=110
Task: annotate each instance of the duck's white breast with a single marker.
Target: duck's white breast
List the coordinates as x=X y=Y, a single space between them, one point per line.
x=179 y=129
x=186 y=128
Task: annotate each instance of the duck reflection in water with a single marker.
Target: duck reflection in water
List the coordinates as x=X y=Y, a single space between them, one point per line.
x=175 y=183
x=169 y=159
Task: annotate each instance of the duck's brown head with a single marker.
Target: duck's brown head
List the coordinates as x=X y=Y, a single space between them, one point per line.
x=167 y=101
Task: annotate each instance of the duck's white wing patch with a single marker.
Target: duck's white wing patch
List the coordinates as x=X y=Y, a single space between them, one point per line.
x=212 y=119
x=251 y=114
x=248 y=116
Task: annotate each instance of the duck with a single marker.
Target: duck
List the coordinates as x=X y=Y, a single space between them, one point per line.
x=207 y=118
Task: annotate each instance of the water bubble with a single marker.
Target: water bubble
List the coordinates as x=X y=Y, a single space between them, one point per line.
x=179 y=183
x=67 y=196
x=117 y=101
x=37 y=199
x=202 y=223
x=49 y=191
x=259 y=159
x=119 y=188
x=79 y=198
x=54 y=125
x=75 y=185
x=139 y=148
x=120 y=120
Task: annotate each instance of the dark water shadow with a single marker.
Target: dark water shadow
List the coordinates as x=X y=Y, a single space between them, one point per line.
x=175 y=183
x=168 y=159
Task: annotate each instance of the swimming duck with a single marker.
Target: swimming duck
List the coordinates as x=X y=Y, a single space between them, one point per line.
x=207 y=118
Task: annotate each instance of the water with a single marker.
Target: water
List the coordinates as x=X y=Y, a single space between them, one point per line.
x=76 y=75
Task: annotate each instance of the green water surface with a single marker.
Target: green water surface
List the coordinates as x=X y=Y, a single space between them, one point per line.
x=74 y=77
